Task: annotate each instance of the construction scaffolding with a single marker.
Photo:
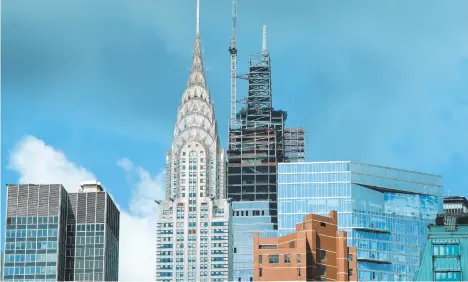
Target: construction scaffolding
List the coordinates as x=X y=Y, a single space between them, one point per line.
x=256 y=140
x=294 y=144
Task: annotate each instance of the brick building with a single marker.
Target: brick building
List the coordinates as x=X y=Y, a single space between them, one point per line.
x=316 y=251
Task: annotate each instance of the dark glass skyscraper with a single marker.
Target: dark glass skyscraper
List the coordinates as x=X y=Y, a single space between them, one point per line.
x=45 y=240
x=92 y=249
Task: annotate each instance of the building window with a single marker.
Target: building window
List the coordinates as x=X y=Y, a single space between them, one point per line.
x=235 y=250
x=350 y=257
x=298 y=259
x=298 y=272
x=447 y=276
x=373 y=275
x=446 y=250
x=323 y=255
x=273 y=259
x=323 y=270
x=350 y=272
x=260 y=259
x=323 y=224
x=260 y=272
x=287 y=258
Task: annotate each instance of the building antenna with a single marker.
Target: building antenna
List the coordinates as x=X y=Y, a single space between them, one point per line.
x=264 y=40
x=233 y=53
x=198 y=17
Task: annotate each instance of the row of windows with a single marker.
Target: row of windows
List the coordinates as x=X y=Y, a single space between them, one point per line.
x=80 y=252
x=23 y=220
x=248 y=213
x=85 y=240
x=85 y=264
x=31 y=258
x=85 y=277
x=274 y=259
x=31 y=245
x=448 y=276
x=446 y=250
x=30 y=270
x=86 y=227
x=31 y=233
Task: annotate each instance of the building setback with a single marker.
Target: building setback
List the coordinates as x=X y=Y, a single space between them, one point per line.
x=385 y=211
x=456 y=205
x=194 y=229
x=317 y=251
x=42 y=242
x=445 y=254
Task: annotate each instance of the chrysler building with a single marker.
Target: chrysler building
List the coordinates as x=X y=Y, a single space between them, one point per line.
x=193 y=228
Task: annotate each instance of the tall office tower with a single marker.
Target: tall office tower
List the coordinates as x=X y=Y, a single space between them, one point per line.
x=193 y=228
x=456 y=204
x=35 y=233
x=385 y=211
x=256 y=145
x=445 y=254
x=294 y=145
x=92 y=247
x=52 y=234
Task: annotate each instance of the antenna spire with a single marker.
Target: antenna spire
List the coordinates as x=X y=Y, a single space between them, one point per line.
x=198 y=17
x=264 y=40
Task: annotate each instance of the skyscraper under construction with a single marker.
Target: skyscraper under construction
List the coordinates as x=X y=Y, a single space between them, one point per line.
x=258 y=141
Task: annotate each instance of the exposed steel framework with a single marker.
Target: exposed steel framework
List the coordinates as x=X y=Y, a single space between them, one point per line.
x=294 y=144
x=256 y=138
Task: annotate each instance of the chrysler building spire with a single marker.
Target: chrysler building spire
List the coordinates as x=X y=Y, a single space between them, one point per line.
x=196 y=123
x=195 y=210
x=198 y=18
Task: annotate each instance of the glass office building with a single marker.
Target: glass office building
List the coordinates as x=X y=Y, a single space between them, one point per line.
x=92 y=246
x=47 y=234
x=35 y=241
x=445 y=255
x=249 y=218
x=385 y=211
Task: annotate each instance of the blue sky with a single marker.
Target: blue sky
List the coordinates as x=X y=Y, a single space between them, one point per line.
x=384 y=82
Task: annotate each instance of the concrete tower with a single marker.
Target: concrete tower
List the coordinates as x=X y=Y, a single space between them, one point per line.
x=193 y=241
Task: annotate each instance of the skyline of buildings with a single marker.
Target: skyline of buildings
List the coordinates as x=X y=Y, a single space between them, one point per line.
x=214 y=205
x=52 y=235
x=385 y=211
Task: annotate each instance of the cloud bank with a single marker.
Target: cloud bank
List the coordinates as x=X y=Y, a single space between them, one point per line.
x=37 y=162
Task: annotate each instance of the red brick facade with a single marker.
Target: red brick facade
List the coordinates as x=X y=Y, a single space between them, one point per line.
x=316 y=251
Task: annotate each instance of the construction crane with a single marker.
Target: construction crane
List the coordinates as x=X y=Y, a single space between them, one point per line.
x=233 y=53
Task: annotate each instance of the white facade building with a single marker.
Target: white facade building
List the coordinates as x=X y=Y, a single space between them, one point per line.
x=193 y=229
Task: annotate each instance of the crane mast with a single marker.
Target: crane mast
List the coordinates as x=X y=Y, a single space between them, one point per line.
x=233 y=53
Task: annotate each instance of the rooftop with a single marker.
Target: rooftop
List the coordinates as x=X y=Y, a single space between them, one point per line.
x=456 y=199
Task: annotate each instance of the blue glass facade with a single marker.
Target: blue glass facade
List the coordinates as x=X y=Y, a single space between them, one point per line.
x=31 y=248
x=51 y=235
x=445 y=254
x=249 y=218
x=384 y=210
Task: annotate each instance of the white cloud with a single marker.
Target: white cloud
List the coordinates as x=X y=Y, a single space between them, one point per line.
x=37 y=162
